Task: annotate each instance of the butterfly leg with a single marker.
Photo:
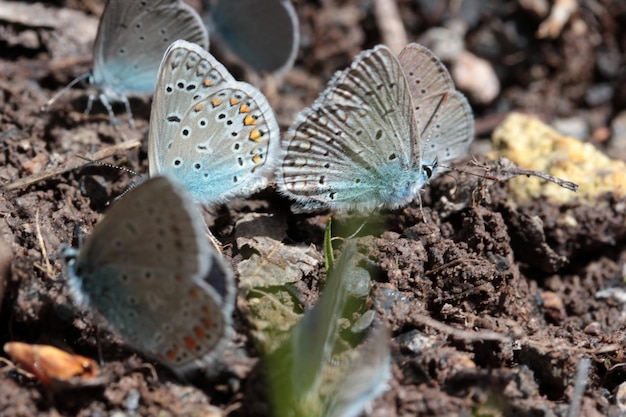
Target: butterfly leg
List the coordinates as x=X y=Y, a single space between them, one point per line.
x=107 y=105
x=89 y=104
x=131 y=121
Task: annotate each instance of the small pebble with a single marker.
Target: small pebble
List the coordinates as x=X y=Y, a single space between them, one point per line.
x=593 y=329
x=357 y=282
x=575 y=127
x=553 y=306
x=599 y=94
x=446 y=43
x=617 y=144
x=414 y=340
x=476 y=77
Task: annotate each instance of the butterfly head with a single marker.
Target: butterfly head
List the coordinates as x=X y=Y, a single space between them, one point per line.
x=429 y=169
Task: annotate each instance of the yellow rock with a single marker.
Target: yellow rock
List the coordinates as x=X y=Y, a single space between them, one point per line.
x=531 y=144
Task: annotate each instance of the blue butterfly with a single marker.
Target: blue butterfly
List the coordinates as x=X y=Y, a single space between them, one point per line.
x=149 y=270
x=376 y=134
x=132 y=37
x=264 y=34
x=216 y=135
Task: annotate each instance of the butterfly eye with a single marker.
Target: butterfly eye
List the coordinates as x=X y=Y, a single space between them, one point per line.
x=429 y=170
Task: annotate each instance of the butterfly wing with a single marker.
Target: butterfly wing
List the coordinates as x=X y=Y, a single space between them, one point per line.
x=222 y=140
x=237 y=22
x=143 y=270
x=132 y=37
x=186 y=74
x=224 y=146
x=353 y=148
x=443 y=115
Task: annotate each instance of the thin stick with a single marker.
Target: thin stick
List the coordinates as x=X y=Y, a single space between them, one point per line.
x=467 y=335
x=563 y=183
x=101 y=154
x=572 y=349
x=42 y=245
x=505 y=169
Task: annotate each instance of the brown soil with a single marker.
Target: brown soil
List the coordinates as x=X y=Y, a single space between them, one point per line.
x=505 y=310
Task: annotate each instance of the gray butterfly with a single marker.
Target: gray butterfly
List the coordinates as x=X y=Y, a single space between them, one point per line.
x=375 y=136
x=132 y=37
x=268 y=47
x=149 y=270
x=216 y=135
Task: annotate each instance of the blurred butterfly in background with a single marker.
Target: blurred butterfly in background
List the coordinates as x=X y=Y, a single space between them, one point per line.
x=149 y=270
x=264 y=34
x=132 y=37
x=216 y=135
x=375 y=135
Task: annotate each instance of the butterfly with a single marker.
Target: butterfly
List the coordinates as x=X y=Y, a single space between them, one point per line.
x=149 y=270
x=236 y=23
x=376 y=134
x=132 y=37
x=216 y=135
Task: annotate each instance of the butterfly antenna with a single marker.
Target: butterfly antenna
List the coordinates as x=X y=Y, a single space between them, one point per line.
x=75 y=81
x=131 y=184
x=104 y=164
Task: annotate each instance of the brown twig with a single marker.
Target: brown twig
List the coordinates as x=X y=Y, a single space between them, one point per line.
x=468 y=335
x=42 y=245
x=101 y=154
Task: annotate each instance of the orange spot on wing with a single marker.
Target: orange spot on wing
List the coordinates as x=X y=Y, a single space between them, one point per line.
x=199 y=331
x=233 y=101
x=207 y=322
x=255 y=135
x=173 y=352
x=191 y=343
x=207 y=82
x=216 y=102
x=249 y=120
x=198 y=107
x=244 y=109
x=257 y=158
